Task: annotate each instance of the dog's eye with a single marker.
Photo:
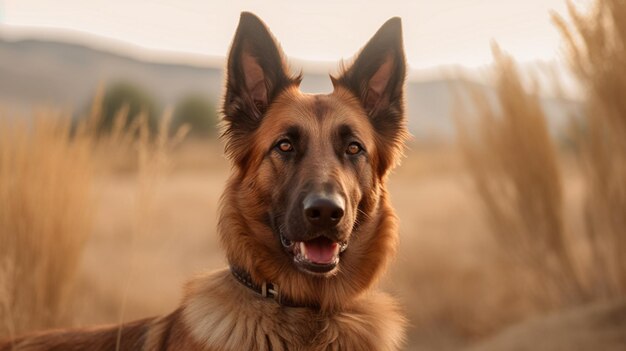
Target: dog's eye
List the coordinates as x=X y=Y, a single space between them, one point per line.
x=354 y=148
x=284 y=146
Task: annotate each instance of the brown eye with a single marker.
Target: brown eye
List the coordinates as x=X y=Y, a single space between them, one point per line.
x=284 y=146
x=353 y=149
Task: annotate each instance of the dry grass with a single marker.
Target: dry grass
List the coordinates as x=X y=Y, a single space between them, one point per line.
x=596 y=47
x=152 y=162
x=515 y=170
x=48 y=170
x=45 y=216
x=552 y=260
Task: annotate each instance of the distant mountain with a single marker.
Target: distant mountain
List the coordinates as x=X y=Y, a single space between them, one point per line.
x=33 y=71
x=36 y=72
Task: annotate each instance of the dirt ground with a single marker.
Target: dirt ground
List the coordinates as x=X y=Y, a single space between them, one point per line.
x=446 y=274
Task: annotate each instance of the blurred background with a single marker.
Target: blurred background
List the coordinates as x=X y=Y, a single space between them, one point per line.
x=512 y=195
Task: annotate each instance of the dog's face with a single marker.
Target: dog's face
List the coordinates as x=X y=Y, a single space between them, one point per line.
x=309 y=169
x=317 y=171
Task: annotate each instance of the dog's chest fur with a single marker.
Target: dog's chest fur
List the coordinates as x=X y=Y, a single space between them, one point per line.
x=220 y=314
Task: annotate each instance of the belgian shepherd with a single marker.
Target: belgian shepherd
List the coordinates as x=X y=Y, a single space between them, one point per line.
x=305 y=219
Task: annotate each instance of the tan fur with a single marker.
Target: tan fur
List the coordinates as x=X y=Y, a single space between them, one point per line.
x=225 y=318
x=263 y=104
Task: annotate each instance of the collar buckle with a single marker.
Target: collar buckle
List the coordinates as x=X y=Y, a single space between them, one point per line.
x=270 y=290
x=265 y=289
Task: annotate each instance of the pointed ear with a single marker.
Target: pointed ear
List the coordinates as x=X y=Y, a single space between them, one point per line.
x=378 y=72
x=256 y=74
x=377 y=78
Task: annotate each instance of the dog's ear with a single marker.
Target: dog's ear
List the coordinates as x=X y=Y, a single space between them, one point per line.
x=256 y=74
x=377 y=78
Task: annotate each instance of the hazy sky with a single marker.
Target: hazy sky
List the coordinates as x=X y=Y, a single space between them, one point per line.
x=437 y=32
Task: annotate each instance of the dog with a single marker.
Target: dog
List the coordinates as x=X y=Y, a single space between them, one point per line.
x=305 y=219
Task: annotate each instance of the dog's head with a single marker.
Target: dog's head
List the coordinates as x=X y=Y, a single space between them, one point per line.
x=306 y=205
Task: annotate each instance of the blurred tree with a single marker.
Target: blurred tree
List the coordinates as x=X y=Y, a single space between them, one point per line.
x=125 y=95
x=199 y=113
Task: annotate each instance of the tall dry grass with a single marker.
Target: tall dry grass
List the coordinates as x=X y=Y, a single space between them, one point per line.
x=45 y=214
x=48 y=171
x=152 y=161
x=596 y=48
x=514 y=164
x=515 y=169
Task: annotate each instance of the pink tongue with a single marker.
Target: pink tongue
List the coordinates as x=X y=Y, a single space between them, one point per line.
x=320 y=252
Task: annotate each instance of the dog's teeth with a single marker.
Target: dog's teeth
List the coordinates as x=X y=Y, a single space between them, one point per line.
x=343 y=247
x=303 y=249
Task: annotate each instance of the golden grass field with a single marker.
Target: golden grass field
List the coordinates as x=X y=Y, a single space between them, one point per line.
x=154 y=230
x=446 y=274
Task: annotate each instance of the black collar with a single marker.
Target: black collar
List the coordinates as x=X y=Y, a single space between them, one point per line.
x=267 y=290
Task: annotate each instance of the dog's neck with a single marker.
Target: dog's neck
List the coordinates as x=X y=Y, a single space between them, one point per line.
x=266 y=289
x=221 y=313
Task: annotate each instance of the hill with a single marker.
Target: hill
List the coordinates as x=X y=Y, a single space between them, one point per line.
x=35 y=72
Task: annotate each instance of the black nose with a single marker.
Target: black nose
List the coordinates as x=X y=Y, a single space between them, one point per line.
x=323 y=211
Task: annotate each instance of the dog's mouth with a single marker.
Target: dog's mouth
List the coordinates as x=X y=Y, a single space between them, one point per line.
x=318 y=256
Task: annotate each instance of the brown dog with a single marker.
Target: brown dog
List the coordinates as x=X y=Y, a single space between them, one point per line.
x=305 y=218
